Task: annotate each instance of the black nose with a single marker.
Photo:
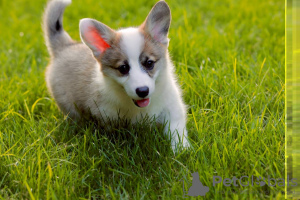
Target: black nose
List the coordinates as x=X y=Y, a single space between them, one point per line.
x=142 y=91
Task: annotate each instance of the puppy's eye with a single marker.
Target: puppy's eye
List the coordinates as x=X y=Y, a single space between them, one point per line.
x=149 y=64
x=124 y=69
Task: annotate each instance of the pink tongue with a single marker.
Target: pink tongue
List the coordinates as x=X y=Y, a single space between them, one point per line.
x=143 y=103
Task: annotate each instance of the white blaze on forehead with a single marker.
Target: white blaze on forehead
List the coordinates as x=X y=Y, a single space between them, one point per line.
x=131 y=42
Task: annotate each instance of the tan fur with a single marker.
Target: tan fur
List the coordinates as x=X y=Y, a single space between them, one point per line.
x=153 y=50
x=112 y=58
x=76 y=64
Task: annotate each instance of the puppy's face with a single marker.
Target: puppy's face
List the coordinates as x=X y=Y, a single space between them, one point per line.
x=133 y=57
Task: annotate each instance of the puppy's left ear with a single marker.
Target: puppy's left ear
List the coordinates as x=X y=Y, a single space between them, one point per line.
x=96 y=35
x=158 y=22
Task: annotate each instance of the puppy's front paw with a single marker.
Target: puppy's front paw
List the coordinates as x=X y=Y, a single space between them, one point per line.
x=185 y=143
x=179 y=142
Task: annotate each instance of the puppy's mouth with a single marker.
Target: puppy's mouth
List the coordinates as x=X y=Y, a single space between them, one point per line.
x=141 y=103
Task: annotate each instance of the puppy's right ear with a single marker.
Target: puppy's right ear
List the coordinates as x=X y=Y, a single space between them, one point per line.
x=95 y=35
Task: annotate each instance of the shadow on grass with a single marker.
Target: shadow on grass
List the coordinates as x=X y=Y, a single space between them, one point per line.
x=145 y=134
x=118 y=152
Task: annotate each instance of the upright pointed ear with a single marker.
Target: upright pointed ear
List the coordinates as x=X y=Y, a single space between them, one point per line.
x=95 y=35
x=158 y=22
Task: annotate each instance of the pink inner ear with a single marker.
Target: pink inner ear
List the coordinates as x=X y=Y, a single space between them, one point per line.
x=156 y=34
x=96 y=40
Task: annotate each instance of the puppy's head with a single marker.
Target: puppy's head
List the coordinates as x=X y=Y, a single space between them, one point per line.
x=133 y=57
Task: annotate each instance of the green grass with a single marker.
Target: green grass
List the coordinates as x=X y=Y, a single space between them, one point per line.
x=229 y=57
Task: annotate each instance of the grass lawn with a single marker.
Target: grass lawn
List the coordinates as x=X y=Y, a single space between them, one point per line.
x=229 y=57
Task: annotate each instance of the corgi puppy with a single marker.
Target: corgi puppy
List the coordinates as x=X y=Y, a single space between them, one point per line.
x=123 y=73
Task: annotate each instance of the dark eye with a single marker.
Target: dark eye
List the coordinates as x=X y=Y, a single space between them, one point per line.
x=124 y=69
x=149 y=64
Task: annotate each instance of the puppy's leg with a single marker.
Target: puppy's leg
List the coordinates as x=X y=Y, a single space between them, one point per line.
x=175 y=115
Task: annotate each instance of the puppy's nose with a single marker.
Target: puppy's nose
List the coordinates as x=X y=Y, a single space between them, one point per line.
x=142 y=91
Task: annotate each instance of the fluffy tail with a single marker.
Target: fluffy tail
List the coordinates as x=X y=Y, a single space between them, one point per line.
x=55 y=36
